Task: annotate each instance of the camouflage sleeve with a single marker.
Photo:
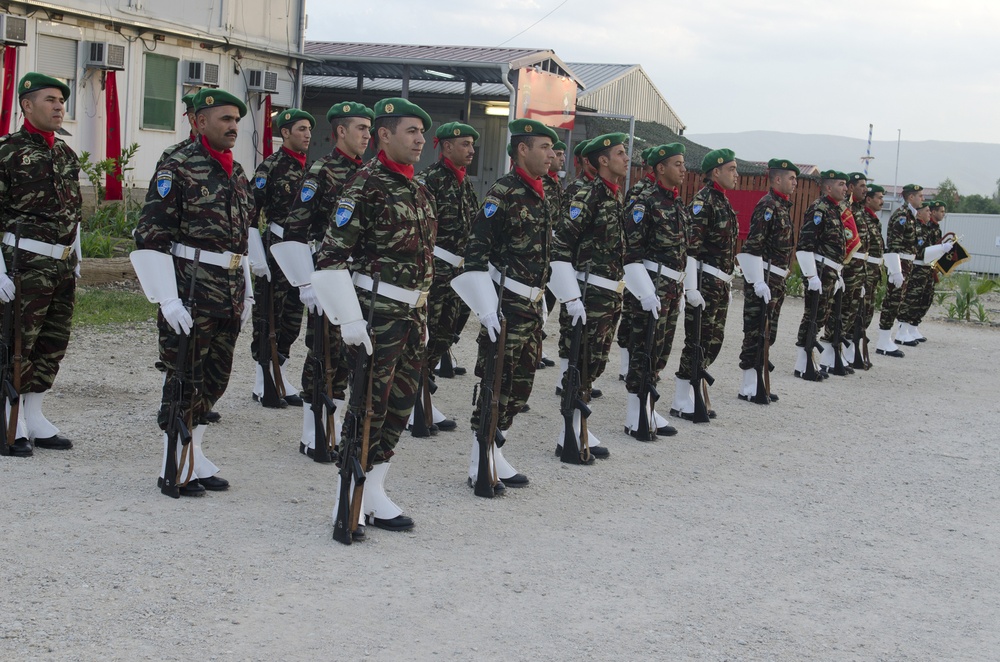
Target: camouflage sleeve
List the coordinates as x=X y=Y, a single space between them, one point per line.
x=481 y=237
x=344 y=230
x=756 y=241
x=808 y=233
x=701 y=219
x=160 y=218
x=260 y=185
x=569 y=227
x=636 y=230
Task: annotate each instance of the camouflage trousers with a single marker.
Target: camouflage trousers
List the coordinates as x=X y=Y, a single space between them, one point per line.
x=630 y=311
x=338 y=361
x=854 y=278
x=524 y=342
x=893 y=300
x=604 y=311
x=918 y=296
x=828 y=277
x=209 y=363
x=753 y=309
x=46 y=293
x=873 y=280
x=663 y=335
x=446 y=313
x=287 y=310
x=713 y=325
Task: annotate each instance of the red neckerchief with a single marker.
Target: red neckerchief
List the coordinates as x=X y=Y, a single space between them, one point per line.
x=534 y=183
x=398 y=168
x=718 y=188
x=589 y=177
x=301 y=158
x=191 y=135
x=225 y=158
x=613 y=187
x=49 y=136
x=554 y=176
x=669 y=189
x=651 y=176
x=356 y=159
x=833 y=202
x=459 y=172
x=779 y=195
x=871 y=213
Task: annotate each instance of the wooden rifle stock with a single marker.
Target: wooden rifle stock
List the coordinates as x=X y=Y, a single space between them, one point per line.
x=811 y=373
x=10 y=371
x=322 y=397
x=860 y=342
x=573 y=399
x=698 y=373
x=646 y=431
x=267 y=346
x=489 y=404
x=763 y=394
x=838 y=334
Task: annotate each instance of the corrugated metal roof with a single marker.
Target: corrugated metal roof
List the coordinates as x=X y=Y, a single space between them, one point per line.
x=415 y=53
x=454 y=88
x=595 y=75
x=625 y=89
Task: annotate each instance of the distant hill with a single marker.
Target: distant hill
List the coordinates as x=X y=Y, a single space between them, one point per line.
x=974 y=167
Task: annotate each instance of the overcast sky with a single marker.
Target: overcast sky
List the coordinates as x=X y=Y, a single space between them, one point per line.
x=927 y=68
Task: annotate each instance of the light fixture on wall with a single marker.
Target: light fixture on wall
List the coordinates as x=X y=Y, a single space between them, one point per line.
x=498 y=111
x=440 y=74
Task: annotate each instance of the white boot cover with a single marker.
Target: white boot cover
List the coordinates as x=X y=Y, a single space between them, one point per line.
x=632 y=412
x=258 y=382
x=203 y=467
x=885 y=341
x=749 y=387
x=336 y=502
x=683 y=396
x=849 y=353
x=826 y=357
x=474 y=460
x=800 y=360
x=188 y=470
x=623 y=370
x=308 y=427
x=38 y=427
x=376 y=503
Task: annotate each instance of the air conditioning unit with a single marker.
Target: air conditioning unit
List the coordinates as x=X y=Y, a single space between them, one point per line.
x=262 y=81
x=103 y=55
x=14 y=30
x=201 y=73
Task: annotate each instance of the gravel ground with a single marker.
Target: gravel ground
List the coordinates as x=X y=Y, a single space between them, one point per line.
x=853 y=520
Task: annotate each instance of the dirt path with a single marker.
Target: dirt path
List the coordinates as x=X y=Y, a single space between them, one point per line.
x=854 y=520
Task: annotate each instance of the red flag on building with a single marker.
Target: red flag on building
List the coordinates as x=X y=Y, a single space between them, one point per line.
x=9 y=71
x=268 y=146
x=113 y=186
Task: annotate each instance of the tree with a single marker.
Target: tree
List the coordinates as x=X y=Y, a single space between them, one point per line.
x=948 y=193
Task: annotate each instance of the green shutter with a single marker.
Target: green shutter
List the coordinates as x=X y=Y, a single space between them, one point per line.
x=159 y=97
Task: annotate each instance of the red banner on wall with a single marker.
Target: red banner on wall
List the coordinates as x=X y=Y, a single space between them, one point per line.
x=113 y=186
x=743 y=203
x=267 y=147
x=9 y=72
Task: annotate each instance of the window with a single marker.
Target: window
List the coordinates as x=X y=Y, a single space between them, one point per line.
x=159 y=96
x=56 y=57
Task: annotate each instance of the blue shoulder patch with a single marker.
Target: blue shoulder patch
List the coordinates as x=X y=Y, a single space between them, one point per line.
x=696 y=208
x=164 y=181
x=575 y=209
x=490 y=206
x=260 y=181
x=344 y=212
x=902 y=220
x=638 y=212
x=768 y=214
x=920 y=242
x=818 y=217
x=308 y=191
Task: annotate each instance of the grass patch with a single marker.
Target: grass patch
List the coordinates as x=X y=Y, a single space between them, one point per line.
x=98 y=307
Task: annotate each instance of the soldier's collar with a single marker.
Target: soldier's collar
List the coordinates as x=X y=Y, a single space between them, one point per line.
x=356 y=159
x=48 y=136
x=778 y=195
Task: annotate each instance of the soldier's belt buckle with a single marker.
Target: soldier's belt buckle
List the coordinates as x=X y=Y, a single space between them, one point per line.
x=621 y=287
x=421 y=300
x=461 y=263
x=540 y=292
x=234 y=261
x=67 y=250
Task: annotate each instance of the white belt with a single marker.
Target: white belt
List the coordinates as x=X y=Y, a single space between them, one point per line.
x=907 y=256
x=860 y=256
x=227 y=260
x=533 y=294
x=56 y=251
x=718 y=273
x=665 y=271
x=875 y=260
x=602 y=282
x=830 y=263
x=412 y=298
x=277 y=230
x=921 y=263
x=448 y=256
x=777 y=271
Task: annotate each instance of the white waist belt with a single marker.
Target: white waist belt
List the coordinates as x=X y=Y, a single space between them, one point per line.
x=718 y=273
x=412 y=298
x=906 y=256
x=921 y=263
x=448 y=256
x=875 y=260
x=822 y=259
x=277 y=230
x=665 y=271
x=602 y=282
x=861 y=256
x=777 y=271
x=56 y=251
x=227 y=260
x=533 y=294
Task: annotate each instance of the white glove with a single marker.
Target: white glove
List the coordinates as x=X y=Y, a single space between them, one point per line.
x=896 y=279
x=763 y=291
x=694 y=298
x=307 y=295
x=356 y=333
x=177 y=316
x=7 y=289
x=948 y=245
x=651 y=304
x=492 y=324
x=863 y=290
x=260 y=269
x=840 y=284
x=576 y=311
x=247 y=312
x=815 y=284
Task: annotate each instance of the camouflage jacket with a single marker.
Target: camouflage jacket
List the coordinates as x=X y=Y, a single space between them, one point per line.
x=873 y=228
x=637 y=190
x=822 y=230
x=313 y=209
x=861 y=221
x=714 y=229
x=571 y=190
x=513 y=229
x=192 y=201
x=934 y=235
x=902 y=231
x=40 y=187
x=772 y=235
x=385 y=222
x=275 y=186
x=592 y=234
x=454 y=206
x=657 y=229
x=173 y=148
x=554 y=194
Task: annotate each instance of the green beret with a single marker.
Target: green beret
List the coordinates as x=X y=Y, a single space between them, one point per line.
x=532 y=128
x=349 y=109
x=912 y=188
x=188 y=101
x=396 y=107
x=875 y=188
x=559 y=146
x=32 y=82
x=212 y=98
x=856 y=177
x=607 y=141
x=293 y=115
x=644 y=154
x=783 y=164
x=924 y=204
x=833 y=174
x=657 y=154
x=579 y=147
x=455 y=130
x=716 y=158
x=937 y=204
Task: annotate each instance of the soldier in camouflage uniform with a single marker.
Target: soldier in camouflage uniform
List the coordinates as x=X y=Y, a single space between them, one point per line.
x=591 y=237
x=385 y=223
x=585 y=174
x=901 y=245
x=199 y=206
x=276 y=185
x=938 y=211
x=766 y=254
x=820 y=256
x=711 y=251
x=40 y=207
x=313 y=211
x=656 y=234
x=855 y=271
x=555 y=196
x=512 y=231
x=920 y=286
x=876 y=249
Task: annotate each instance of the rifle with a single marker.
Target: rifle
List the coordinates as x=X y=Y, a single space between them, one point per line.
x=423 y=413
x=763 y=394
x=10 y=354
x=489 y=403
x=180 y=403
x=572 y=400
x=838 y=334
x=355 y=434
x=811 y=342
x=267 y=346
x=860 y=341
x=698 y=373
x=322 y=398
x=647 y=391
